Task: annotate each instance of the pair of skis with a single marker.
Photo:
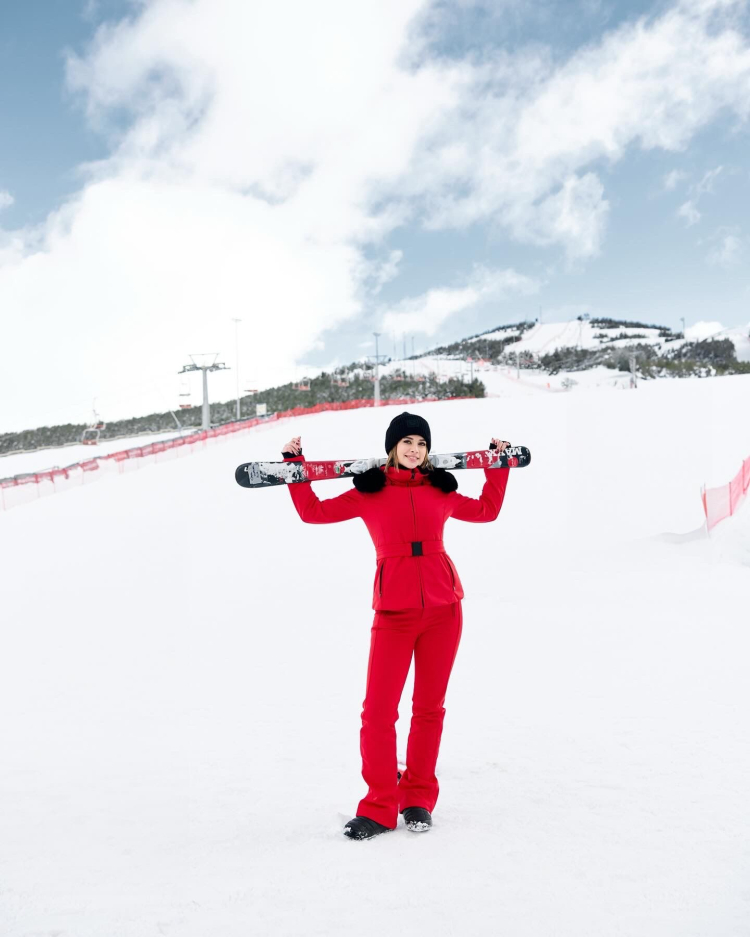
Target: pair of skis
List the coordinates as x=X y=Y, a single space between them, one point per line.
x=268 y=474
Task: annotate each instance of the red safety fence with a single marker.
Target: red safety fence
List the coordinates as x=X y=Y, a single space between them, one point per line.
x=33 y=485
x=722 y=502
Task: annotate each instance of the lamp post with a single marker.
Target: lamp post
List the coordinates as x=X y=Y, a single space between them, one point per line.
x=237 y=361
x=376 y=393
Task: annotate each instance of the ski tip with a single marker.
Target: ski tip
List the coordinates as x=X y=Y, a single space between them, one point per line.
x=240 y=475
x=518 y=457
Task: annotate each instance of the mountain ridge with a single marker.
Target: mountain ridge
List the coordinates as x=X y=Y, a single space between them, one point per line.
x=553 y=348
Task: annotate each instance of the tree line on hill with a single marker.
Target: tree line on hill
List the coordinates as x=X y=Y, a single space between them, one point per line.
x=606 y=323
x=341 y=386
x=482 y=347
x=692 y=359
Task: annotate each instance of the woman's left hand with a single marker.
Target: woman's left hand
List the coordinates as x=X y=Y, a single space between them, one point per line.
x=500 y=444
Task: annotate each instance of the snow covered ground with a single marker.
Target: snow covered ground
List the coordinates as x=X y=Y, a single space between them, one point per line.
x=502 y=381
x=184 y=663
x=546 y=337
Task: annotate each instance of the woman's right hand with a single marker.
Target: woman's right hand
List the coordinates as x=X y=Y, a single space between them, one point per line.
x=294 y=445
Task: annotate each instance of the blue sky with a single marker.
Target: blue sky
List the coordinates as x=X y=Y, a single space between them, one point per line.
x=44 y=135
x=421 y=169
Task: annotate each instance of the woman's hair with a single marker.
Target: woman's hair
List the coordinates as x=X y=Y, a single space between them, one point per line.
x=393 y=460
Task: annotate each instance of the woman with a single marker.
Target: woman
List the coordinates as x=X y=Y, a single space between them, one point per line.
x=417 y=601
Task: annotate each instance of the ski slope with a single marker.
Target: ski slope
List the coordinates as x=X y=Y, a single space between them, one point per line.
x=41 y=460
x=503 y=381
x=184 y=664
x=547 y=337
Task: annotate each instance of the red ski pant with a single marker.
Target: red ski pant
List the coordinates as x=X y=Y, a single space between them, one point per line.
x=432 y=636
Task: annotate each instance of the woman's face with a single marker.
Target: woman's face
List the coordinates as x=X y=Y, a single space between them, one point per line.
x=411 y=451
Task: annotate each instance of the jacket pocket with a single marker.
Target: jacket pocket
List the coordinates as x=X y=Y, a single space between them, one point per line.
x=451 y=571
x=378 y=584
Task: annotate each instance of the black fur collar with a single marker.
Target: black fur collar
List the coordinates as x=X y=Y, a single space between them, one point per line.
x=443 y=480
x=370 y=481
x=374 y=480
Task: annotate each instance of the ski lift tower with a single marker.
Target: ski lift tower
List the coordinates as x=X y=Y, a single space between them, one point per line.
x=205 y=368
x=633 y=358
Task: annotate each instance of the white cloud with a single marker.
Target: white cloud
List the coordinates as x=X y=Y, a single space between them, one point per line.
x=673 y=179
x=428 y=312
x=273 y=148
x=700 y=331
x=246 y=186
x=689 y=212
x=6 y=199
x=707 y=182
x=727 y=253
x=575 y=217
x=527 y=124
x=386 y=271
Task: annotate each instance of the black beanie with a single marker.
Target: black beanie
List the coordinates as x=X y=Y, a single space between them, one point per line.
x=407 y=424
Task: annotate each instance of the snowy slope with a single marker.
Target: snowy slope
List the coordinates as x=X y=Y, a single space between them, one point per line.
x=714 y=330
x=544 y=338
x=498 y=381
x=43 y=459
x=184 y=664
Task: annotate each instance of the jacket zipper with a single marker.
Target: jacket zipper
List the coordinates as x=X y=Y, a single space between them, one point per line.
x=414 y=514
x=382 y=566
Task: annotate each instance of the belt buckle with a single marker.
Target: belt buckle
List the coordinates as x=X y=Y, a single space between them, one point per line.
x=416 y=548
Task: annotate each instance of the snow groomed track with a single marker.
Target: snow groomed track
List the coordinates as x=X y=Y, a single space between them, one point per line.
x=184 y=664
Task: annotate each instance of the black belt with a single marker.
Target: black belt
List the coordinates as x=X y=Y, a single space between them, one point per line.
x=415 y=548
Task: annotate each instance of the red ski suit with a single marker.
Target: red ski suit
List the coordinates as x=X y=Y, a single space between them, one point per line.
x=416 y=597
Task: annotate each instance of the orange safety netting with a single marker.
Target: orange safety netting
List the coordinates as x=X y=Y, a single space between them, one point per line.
x=33 y=485
x=722 y=502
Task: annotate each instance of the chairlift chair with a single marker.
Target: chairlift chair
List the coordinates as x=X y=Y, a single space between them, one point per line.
x=185 y=392
x=90 y=436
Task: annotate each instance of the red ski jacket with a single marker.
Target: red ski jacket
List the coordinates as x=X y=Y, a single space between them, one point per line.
x=405 y=520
